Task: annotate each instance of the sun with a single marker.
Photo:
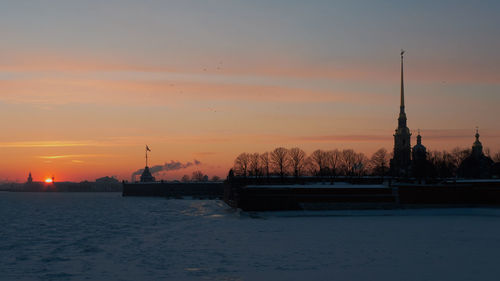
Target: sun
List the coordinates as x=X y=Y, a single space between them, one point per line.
x=48 y=180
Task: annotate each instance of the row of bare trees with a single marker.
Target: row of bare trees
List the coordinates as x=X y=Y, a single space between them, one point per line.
x=199 y=176
x=445 y=164
x=295 y=162
x=347 y=162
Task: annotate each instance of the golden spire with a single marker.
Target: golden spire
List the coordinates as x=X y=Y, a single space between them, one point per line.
x=402 y=84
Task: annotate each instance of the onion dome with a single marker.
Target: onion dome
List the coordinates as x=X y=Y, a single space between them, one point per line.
x=419 y=150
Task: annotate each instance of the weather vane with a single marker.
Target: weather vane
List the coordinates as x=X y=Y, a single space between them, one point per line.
x=147 y=149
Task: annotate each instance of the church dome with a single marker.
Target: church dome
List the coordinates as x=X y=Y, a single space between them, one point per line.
x=419 y=148
x=476 y=165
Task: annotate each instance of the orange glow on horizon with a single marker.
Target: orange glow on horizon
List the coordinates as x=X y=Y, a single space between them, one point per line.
x=48 y=180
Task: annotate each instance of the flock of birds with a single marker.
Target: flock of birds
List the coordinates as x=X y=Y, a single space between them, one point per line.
x=217 y=68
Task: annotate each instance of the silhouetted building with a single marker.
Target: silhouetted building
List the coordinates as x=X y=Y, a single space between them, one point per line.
x=147 y=176
x=107 y=180
x=476 y=165
x=30 y=179
x=401 y=161
x=419 y=159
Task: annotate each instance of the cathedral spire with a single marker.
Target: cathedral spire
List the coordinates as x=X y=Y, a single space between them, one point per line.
x=401 y=160
x=402 y=114
x=402 y=106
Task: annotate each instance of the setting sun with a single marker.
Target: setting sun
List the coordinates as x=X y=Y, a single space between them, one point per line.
x=48 y=180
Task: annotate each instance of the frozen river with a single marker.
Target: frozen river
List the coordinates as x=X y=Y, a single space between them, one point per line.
x=102 y=236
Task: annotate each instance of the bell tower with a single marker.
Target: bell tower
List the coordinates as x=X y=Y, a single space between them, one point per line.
x=401 y=161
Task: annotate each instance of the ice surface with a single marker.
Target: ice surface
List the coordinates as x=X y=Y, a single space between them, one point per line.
x=320 y=185
x=96 y=236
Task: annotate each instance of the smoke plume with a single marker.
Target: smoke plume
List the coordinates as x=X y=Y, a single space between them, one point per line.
x=168 y=166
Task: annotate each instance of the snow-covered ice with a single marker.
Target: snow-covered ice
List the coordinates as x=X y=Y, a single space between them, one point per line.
x=321 y=185
x=102 y=236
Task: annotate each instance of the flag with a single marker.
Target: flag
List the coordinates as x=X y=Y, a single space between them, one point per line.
x=147 y=148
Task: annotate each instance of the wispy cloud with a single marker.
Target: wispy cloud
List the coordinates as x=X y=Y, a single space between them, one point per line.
x=448 y=134
x=343 y=138
x=26 y=65
x=166 y=91
x=105 y=142
x=73 y=156
x=27 y=144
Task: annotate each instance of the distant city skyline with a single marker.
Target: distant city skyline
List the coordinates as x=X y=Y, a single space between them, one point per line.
x=84 y=86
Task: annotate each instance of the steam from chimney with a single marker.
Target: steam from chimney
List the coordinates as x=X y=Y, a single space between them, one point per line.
x=173 y=165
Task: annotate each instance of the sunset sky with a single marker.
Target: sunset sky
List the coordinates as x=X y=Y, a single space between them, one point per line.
x=84 y=85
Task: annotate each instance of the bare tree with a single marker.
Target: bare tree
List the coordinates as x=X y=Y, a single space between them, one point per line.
x=198 y=176
x=457 y=157
x=185 y=178
x=254 y=164
x=265 y=162
x=309 y=166
x=318 y=157
x=443 y=164
x=487 y=152
x=279 y=159
x=496 y=157
x=380 y=162
x=215 y=178
x=333 y=161
x=360 y=164
x=297 y=157
x=348 y=161
x=241 y=164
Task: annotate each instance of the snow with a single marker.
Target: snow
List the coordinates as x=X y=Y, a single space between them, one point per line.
x=321 y=185
x=477 y=180
x=103 y=236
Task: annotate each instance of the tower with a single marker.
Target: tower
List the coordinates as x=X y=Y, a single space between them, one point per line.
x=401 y=161
x=419 y=150
x=419 y=159
x=476 y=165
x=30 y=179
x=146 y=175
x=477 y=147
